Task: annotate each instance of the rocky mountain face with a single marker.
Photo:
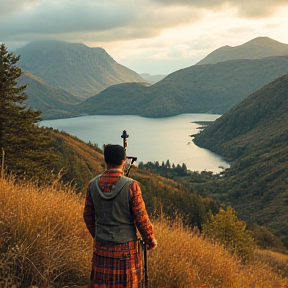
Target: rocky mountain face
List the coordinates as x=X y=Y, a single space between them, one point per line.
x=74 y=67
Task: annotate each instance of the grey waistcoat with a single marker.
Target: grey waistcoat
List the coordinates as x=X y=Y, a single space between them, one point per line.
x=114 y=220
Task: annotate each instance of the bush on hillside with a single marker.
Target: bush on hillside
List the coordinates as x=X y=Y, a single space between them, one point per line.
x=231 y=232
x=264 y=239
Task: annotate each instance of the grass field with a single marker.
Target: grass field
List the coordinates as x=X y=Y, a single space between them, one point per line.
x=44 y=242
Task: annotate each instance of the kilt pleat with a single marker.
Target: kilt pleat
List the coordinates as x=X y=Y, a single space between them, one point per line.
x=117 y=265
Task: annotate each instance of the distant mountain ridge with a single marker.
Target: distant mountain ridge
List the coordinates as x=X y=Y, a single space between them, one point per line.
x=74 y=67
x=152 y=78
x=211 y=88
x=79 y=71
x=257 y=48
x=254 y=136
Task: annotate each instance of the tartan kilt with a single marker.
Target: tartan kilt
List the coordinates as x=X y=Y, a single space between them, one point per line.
x=117 y=265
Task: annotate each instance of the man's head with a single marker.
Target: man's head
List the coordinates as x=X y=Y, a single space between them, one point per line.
x=114 y=154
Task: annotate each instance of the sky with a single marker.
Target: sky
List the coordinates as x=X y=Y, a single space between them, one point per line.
x=147 y=36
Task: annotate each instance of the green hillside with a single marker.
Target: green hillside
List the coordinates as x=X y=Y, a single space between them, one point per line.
x=46 y=98
x=257 y=48
x=254 y=137
x=74 y=67
x=211 y=88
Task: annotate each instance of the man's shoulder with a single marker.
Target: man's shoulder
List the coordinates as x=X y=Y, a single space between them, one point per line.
x=134 y=186
x=126 y=178
x=127 y=181
x=95 y=179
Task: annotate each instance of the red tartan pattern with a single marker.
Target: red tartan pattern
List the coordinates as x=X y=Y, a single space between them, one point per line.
x=117 y=265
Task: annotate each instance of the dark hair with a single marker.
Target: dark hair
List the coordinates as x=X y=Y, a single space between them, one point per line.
x=114 y=154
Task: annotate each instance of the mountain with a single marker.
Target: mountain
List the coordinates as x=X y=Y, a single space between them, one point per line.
x=51 y=101
x=213 y=88
x=152 y=78
x=254 y=137
x=257 y=48
x=82 y=72
x=74 y=67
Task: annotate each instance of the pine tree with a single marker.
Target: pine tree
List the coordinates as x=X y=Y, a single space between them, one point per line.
x=184 y=169
x=168 y=164
x=25 y=145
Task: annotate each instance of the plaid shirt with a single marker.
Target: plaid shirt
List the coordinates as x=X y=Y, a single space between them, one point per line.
x=119 y=265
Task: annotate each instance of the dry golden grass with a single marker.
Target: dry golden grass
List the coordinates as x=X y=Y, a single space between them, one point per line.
x=43 y=233
x=43 y=241
x=277 y=261
x=185 y=259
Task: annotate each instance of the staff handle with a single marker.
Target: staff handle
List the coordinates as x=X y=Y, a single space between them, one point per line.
x=125 y=144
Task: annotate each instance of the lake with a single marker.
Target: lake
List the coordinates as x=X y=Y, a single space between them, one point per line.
x=150 y=139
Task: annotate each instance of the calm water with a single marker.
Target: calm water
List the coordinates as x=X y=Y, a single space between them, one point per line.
x=150 y=139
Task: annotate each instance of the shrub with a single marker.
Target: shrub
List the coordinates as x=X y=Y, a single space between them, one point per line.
x=231 y=232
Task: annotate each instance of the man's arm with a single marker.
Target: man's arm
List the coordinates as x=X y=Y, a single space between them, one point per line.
x=89 y=213
x=141 y=216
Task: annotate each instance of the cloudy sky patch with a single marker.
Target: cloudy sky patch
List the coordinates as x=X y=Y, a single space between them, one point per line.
x=149 y=36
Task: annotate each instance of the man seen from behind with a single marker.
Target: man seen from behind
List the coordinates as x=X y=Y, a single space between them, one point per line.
x=114 y=210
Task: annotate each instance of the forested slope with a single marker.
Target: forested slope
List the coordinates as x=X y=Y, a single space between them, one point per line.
x=254 y=137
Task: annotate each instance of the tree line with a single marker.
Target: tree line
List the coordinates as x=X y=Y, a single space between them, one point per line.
x=165 y=168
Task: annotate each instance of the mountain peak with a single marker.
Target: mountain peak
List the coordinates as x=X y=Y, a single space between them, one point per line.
x=258 y=48
x=74 y=67
x=263 y=40
x=266 y=42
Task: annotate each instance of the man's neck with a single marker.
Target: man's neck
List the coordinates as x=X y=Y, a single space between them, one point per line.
x=114 y=167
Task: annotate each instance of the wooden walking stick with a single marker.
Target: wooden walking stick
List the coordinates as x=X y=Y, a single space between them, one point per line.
x=145 y=266
x=2 y=163
x=146 y=279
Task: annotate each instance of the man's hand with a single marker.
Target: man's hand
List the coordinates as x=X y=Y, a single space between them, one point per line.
x=153 y=246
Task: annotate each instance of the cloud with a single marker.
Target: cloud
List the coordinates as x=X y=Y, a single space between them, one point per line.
x=104 y=20
x=13 y=6
x=112 y=20
x=248 y=9
x=65 y=16
x=179 y=31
